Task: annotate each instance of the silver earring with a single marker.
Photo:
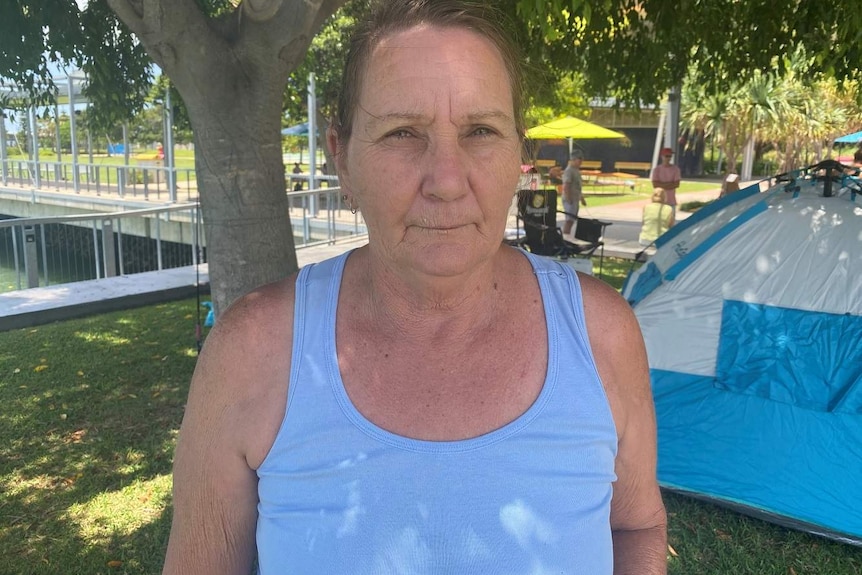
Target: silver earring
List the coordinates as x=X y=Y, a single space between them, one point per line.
x=349 y=201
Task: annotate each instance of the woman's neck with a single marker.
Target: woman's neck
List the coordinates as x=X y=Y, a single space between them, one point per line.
x=420 y=305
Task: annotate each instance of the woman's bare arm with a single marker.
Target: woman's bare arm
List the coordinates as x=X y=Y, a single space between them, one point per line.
x=638 y=519
x=235 y=406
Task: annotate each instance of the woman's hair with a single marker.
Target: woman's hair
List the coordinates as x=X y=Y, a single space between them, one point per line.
x=390 y=17
x=659 y=196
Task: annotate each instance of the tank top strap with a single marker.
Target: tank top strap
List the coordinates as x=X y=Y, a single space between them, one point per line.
x=317 y=287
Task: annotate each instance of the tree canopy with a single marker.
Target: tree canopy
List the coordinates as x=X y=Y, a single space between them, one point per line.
x=636 y=51
x=38 y=37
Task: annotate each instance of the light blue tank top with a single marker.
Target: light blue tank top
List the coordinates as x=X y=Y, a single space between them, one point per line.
x=339 y=495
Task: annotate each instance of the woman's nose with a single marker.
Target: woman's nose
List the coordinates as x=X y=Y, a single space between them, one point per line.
x=446 y=169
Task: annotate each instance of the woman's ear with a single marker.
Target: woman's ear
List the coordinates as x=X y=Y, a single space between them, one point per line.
x=336 y=148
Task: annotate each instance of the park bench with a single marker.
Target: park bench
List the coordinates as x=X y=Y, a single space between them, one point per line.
x=622 y=177
x=633 y=167
x=591 y=169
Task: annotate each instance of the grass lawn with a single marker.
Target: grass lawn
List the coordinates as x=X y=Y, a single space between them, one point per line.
x=90 y=414
x=91 y=409
x=183 y=158
x=615 y=270
x=608 y=195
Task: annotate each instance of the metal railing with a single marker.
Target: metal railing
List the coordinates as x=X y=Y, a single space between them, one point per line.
x=62 y=249
x=321 y=216
x=148 y=180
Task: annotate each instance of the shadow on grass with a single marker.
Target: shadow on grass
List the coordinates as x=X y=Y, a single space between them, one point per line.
x=91 y=409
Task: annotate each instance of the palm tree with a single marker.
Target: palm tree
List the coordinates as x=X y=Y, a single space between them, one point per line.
x=794 y=112
x=704 y=112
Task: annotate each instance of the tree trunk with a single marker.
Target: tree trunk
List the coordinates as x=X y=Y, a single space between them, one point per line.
x=243 y=197
x=236 y=115
x=230 y=71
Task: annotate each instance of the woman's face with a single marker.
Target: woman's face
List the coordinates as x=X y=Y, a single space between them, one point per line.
x=433 y=159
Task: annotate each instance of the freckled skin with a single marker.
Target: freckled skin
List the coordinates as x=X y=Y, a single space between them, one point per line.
x=434 y=159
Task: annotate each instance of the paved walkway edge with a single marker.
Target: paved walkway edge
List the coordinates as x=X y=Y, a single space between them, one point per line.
x=37 y=306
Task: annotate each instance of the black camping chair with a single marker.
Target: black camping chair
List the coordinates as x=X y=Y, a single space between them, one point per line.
x=537 y=209
x=589 y=236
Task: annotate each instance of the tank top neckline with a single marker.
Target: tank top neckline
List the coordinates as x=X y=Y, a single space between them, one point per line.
x=427 y=446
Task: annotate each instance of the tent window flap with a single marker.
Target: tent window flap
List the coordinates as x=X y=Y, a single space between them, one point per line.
x=809 y=359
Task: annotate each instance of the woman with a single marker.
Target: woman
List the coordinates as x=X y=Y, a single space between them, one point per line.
x=411 y=407
x=657 y=218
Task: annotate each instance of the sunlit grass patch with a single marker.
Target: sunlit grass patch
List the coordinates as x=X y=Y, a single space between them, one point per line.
x=122 y=512
x=86 y=442
x=614 y=271
x=109 y=338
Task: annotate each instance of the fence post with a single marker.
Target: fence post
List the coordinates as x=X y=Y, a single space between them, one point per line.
x=4 y=156
x=121 y=181
x=159 y=242
x=108 y=248
x=31 y=258
x=36 y=169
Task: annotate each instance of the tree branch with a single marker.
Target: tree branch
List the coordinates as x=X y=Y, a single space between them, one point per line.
x=160 y=24
x=290 y=29
x=326 y=9
x=260 y=10
x=129 y=11
x=206 y=55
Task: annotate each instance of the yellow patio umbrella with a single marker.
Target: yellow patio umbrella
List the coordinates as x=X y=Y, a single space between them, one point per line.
x=572 y=128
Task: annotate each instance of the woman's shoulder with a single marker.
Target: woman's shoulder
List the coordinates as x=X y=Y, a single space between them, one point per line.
x=245 y=364
x=611 y=324
x=255 y=317
x=617 y=346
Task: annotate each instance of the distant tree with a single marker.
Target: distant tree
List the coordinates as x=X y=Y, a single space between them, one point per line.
x=147 y=127
x=325 y=58
x=565 y=96
x=791 y=109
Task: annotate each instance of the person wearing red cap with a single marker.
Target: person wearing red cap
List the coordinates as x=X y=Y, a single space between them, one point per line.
x=666 y=176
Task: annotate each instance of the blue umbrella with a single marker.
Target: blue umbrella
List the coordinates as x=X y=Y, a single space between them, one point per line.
x=296 y=130
x=853 y=138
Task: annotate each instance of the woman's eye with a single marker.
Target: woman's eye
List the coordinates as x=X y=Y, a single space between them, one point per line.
x=483 y=131
x=400 y=134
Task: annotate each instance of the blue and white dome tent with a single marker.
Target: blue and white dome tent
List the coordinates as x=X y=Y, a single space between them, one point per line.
x=751 y=310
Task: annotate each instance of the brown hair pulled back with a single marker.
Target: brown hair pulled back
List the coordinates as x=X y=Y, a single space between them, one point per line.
x=390 y=17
